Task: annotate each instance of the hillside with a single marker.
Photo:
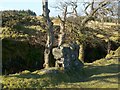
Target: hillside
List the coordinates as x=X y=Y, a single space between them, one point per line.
x=25 y=34
x=65 y=44
x=23 y=43
x=23 y=38
x=99 y=74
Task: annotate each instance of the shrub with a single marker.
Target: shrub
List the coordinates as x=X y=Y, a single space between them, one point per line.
x=18 y=56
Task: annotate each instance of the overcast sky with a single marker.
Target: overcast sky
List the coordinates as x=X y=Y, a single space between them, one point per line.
x=34 y=5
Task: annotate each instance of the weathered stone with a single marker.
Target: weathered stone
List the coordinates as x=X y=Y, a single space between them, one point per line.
x=67 y=56
x=57 y=53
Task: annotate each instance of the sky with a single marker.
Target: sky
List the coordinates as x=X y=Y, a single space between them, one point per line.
x=34 y=5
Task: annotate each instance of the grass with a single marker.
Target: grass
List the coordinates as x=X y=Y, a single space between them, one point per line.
x=56 y=21
x=21 y=32
x=39 y=28
x=111 y=29
x=89 y=77
x=93 y=75
x=99 y=74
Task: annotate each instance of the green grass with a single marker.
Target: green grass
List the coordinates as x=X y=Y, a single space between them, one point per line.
x=38 y=28
x=93 y=75
x=99 y=74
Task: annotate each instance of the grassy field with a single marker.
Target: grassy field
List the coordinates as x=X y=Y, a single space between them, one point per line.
x=102 y=73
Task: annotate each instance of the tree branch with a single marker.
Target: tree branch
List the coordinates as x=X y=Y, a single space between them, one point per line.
x=93 y=11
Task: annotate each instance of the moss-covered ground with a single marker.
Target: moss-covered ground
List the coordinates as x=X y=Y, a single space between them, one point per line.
x=102 y=73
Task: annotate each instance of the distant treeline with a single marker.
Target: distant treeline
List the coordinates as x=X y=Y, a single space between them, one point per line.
x=12 y=17
x=20 y=12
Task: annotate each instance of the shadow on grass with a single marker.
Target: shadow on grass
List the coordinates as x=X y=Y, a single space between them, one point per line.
x=27 y=76
x=84 y=75
x=92 y=73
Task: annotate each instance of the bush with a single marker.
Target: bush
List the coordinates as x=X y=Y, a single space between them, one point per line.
x=18 y=56
x=13 y=17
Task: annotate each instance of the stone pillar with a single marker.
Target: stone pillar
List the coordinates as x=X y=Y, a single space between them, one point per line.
x=67 y=57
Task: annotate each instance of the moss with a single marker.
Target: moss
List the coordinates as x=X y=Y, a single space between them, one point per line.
x=39 y=28
x=22 y=57
x=19 y=56
x=92 y=75
x=113 y=54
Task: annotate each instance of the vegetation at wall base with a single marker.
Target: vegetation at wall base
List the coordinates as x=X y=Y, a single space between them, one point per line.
x=102 y=73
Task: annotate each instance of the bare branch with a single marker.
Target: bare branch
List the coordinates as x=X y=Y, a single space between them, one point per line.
x=91 y=15
x=60 y=18
x=86 y=9
x=92 y=5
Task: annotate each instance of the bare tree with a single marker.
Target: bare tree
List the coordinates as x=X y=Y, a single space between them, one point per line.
x=62 y=26
x=63 y=6
x=93 y=9
x=96 y=8
x=62 y=23
x=49 y=25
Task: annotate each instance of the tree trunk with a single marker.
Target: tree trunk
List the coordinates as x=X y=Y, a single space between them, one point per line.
x=62 y=34
x=109 y=47
x=81 y=46
x=62 y=27
x=49 y=42
x=81 y=52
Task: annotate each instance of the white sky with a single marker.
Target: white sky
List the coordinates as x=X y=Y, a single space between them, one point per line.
x=34 y=5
